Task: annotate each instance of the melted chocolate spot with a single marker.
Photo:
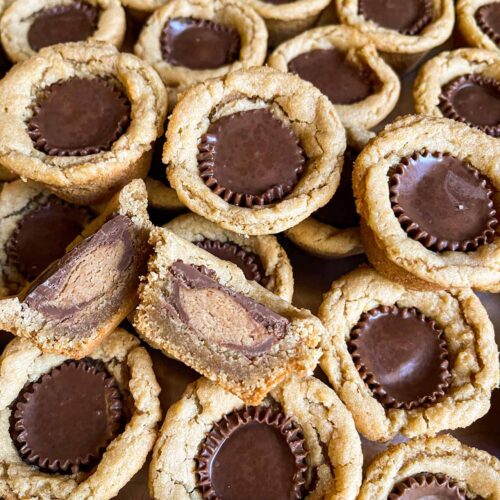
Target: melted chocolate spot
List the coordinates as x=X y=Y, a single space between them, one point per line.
x=199 y=43
x=79 y=117
x=248 y=262
x=64 y=23
x=409 y=17
x=64 y=421
x=330 y=71
x=340 y=211
x=250 y=158
x=257 y=450
x=42 y=235
x=401 y=355
x=474 y=100
x=443 y=202
x=488 y=19
x=427 y=486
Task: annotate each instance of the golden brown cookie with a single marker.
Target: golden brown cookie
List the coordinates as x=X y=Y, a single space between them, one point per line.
x=478 y=23
x=404 y=361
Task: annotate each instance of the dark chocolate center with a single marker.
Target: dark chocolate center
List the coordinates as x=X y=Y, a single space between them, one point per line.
x=250 y=158
x=428 y=487
x=199 y=43
x=64 y=23
x=329 y=70
x=488 y=18
x=408 y=17
x=340 y=211
x=78 y=117
x=43 y=234
x=64 y=421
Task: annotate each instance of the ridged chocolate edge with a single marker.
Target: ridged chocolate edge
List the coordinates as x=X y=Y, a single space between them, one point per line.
x=446 y=102
x=480 y=18
x=369 y=378
x=414 y=230
x=115 y=407
x=289 y=429
x=40 y=143
x=206 y=160
x=425 y=479
x=89 y=10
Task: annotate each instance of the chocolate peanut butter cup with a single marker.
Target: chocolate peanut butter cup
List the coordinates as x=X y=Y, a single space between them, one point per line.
x=332 y=73
x=250 y=158
x=63 y=422
x=443 y=202
x=408 y=18
x=199 y=43
x=401 y=355
x=488 y=19
x=43 y=233
x=79 y=117
x=475 y=100
x=248 y=262
x=72 y=22
x=255 y=449
x=435 y=486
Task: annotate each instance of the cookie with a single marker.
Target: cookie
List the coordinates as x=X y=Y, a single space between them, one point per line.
x=478 y=23
x=67 y=426
x=299 y=443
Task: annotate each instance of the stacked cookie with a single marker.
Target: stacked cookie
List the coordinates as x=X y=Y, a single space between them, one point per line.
x=105 y=285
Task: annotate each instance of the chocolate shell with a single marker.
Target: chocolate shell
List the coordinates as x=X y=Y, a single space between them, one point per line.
x=431 y=486
x=482 y=19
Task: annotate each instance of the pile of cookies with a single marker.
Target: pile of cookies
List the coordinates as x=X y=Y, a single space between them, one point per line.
x=158 y=157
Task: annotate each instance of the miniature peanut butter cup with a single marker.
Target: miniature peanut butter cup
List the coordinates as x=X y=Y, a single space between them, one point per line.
x=248 y=262
x=488 y=19
x=430 y=486
x=475 y=100
x=250 y=158
x=408 y=18
x=79 y=117
x=73 y=22
x=330 y=71
x=209 y=308
x=199 y=43
x=42 y=235
x=443 y=202
x=255 y=449
x=401 y=355
x=63 y=422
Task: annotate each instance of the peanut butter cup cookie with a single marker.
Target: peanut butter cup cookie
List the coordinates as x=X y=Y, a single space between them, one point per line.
x=67 y=427
x=80 y=119
x=256 y=152
x=404 y=361
x=403 y=32
x=204 y=312
x=299 y=443
x=189 y=41
x=342 y=63
x=261 y=258
x=77 y=301
x=427 y=192
x=439 y=467
x=464 y=85
x=35 y=229
x=29 y=25
x=479 y=23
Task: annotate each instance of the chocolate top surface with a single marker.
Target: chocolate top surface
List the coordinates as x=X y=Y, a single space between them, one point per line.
x=64 y=23
x=248 y=262
x=250 y=158
x=475 y=100
x=42 y=235
x=443 y=202
x=256 y=449
x=408 y=17
x=330 y=71
x=209 y=309
x=340 y=211
x=64 y=421
x=199 y=43
x=401 y=355
x=79 y=117
x=427 y=486
x=488 y=19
